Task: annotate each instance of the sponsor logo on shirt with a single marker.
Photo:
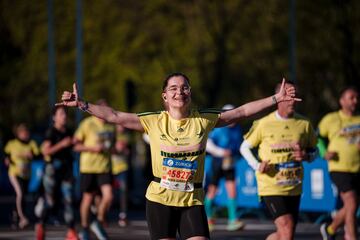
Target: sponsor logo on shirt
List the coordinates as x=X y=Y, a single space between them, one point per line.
x=182 y=154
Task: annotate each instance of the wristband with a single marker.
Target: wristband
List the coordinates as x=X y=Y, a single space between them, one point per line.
x=84 y=106
x=274 y=99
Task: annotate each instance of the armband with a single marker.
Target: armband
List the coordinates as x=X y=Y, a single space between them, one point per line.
x=84 y=106
x=274 y=100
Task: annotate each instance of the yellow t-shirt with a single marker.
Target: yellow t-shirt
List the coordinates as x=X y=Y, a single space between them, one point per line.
x=92 y=131
x=276 y=138
x=178 y=154
x=343 y=133
x=119 y=160
x=20 y=165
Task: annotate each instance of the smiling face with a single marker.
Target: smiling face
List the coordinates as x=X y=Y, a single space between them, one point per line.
x=177 y=93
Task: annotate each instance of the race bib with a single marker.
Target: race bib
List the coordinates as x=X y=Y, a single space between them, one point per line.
x=288 y=174
x=351 y=133
x=178 y=174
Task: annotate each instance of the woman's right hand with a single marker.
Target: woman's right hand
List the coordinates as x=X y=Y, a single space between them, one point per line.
x=69 y=99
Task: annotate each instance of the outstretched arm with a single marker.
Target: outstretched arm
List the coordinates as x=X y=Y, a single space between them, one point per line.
x=251 y=108
x=128 y=120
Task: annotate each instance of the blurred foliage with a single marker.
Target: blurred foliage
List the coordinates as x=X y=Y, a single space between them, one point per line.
x=233 y=51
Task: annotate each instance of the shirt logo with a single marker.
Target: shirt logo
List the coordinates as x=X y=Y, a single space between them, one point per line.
x=170 y=163
x=200 y=134
x=180 y=129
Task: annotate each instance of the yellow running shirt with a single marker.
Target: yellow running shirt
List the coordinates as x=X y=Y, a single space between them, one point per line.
x=276 y=138
x=177 y=155
x=343 y=133
x=19 y=164
x=92 y=132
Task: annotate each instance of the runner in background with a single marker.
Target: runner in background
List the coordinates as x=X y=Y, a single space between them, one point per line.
x=284 y=139
x=94 y=139
x=340 y=134
x=223 y=144
x=58 y=177
x=18 y=155
x=119 y=165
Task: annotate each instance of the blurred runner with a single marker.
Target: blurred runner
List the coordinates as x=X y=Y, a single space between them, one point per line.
x=18 y=155
x=284 y=139
x=95 y=139
x=119 y=165
x=58 y=175
x=341 y=130
x=223 y=144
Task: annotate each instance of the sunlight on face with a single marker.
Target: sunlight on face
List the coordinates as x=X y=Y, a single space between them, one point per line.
x=177 y=94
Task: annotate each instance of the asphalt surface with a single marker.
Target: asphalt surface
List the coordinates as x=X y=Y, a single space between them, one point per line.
x=137 y=229
x=257 y=227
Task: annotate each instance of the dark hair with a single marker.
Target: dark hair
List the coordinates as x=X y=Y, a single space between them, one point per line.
x=54 y=110
x=277 y=87
x=17 y=126
x=175 y=74
x=347 y=88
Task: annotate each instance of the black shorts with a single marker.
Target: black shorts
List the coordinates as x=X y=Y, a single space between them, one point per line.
x=24 y=185
x=91 y=182
x=165 y=221
x=219 y=173
x=281 y=205
x=345 y=181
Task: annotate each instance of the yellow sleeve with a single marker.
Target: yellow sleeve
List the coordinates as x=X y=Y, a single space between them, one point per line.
x=80 y=131
x=324 y=126
x=34 y=147
x=7 y=148
x=253 y=137
x=148 y=120
x=212 y=119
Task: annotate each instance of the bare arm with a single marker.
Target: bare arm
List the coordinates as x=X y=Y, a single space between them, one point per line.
x=128 y=120
x=251 y=108
x=80 y=147
x=48 y=149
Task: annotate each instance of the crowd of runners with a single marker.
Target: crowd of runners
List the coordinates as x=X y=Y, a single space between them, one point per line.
x=180 y=136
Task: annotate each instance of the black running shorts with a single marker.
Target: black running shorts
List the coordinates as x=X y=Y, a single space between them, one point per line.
x=90 y=182
x=165 y=221
x=345 y=181
x=281 y=205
